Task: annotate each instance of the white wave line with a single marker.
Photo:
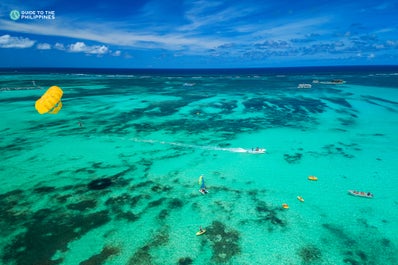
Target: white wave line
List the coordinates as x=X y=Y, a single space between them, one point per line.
x=234 y=150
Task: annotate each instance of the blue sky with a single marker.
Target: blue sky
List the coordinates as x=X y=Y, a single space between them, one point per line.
x=199 y=34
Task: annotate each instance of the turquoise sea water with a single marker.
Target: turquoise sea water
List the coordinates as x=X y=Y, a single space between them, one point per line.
x=113 y=177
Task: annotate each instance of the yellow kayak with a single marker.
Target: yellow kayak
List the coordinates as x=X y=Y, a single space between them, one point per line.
x=313 y=178
x=285 y=206
x=199 y=233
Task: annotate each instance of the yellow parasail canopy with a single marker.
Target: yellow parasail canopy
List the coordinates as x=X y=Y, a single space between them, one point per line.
x=50 y=102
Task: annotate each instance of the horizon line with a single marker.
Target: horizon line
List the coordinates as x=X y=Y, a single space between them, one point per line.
x=202 y=68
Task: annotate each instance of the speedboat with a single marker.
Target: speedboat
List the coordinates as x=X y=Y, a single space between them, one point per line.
x=256 y=151
x=360 y=193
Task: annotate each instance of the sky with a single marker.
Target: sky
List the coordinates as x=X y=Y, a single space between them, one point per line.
x=197 y=34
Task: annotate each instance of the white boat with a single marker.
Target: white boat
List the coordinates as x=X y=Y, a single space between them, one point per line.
x=360 y=193
x=256 y=151
x=304 y=86
x=333 y=82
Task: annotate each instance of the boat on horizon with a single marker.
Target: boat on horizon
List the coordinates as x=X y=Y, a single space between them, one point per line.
x=304 y=86
x=333 y=82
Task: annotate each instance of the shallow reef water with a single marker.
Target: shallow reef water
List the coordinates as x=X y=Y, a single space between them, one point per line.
x=113 y=177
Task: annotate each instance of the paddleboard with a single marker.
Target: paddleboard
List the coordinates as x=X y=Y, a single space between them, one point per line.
x=199 y=233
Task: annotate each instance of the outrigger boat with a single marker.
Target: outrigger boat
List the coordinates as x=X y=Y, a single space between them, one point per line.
x=360 y=193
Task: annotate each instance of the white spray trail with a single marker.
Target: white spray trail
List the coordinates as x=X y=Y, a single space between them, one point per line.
x=234 y=150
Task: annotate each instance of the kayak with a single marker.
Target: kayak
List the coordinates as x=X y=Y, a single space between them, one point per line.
x=300 y=198
x=285 y=206
x=199 y=233
x=313 y=178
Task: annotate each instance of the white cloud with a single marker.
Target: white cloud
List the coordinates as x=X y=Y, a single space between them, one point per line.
x=6 y=41
x=77 y=47
x=59 y=46
x=287 y=30
x=392 y=43
x=117 y=53
x=43 y=46
x=116 y=34
x=202 y=14
x=82 y=47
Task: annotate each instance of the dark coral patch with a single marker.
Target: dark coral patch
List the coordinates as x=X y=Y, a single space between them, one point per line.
x=294 y=158
x=357 y=257
x=14 y=210
x=185 y=261
x=119 y=200
x=225 y=242
x=269 y=215
x=339 y=233
x=310 y=254
x=11 y=194
x=141 y=256
x=117 y=206
x=155 y=203
x=99 y=184
x=45 y=189
x=161 y=238
x=84 y=170
x=101 y=257
x=175 y=203
x=47 y=232
x=82 y=206
x=129 y=216
x=385 y=242
x=340 y=101
x=163 y=214
x=351 y=261
x=63 y=198
x=160 y=188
